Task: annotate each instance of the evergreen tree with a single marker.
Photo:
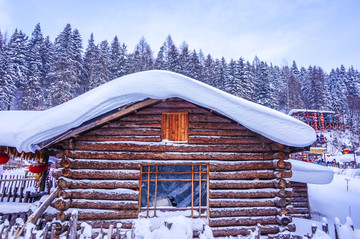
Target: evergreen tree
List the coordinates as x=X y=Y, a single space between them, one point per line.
x=77 y=68
x=160 y=63
x=337 y=88
x=92 y=65
x=16 y=53
x=232 y=84
x=263 y=88
x=184 y=60
x=105 y=58
x=118 y=59
x=7 y=76
x=60 y=76
x=142 y=57
x=33 y=97
x=195 y=66
x=208 y=73
x=171 y=55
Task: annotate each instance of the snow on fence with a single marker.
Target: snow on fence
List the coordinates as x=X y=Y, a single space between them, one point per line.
x=19 y=188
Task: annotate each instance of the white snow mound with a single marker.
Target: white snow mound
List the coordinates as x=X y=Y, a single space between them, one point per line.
x=25 y=130
x=305 y=172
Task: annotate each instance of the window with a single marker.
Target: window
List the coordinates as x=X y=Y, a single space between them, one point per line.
x=174 y=126
x=167 y=188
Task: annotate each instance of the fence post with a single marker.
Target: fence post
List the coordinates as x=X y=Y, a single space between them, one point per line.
x=325 y=226
x=73 y=224
x=337 y=225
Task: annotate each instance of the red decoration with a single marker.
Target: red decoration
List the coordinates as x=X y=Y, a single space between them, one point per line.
x=304 y=155
x=37 y=168
x=4 y=158
x=346 y=150
x=328 y=155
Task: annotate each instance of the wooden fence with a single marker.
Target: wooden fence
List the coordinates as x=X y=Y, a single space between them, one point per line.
x=14 y=188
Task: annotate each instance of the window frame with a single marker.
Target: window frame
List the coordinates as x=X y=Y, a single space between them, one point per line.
x=199 y=180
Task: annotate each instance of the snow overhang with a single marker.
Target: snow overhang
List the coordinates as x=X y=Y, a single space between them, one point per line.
x=37 y=127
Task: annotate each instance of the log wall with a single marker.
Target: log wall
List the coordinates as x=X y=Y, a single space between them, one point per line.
x=247 y=173
x=300 y=200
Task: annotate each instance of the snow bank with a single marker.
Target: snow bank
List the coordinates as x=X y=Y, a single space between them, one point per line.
x=24 y=130
x=305 y=172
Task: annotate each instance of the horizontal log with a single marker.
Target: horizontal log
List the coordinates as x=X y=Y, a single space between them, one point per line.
x=244 y=184
x=277 y=147
x=142 y=117
x=270 y=202
x=237 y=212
x=299 y=199
x=258 y=174
x=99 y=138
x=243 y=231
x=246 y=155
x=163 y=147
x=244 y=166
x=300 y=204
x=228 y=136
x=115 y=194
x=218 y=126
x=160 y=110
x=300 y=194
x=98 y=164
x=250 y=193
x=125 y=132
x=280 y=155
x=85 y=214
x=296 y=184
x=99 y=184
x=101 y=174
x=63 y=204
x=242 y=221
x=129 y=124
x=297 y=210
x=125 y=223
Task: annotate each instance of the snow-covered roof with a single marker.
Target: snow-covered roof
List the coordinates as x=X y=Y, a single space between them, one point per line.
x=25 y=130
x=305 y=172
x=293 y=111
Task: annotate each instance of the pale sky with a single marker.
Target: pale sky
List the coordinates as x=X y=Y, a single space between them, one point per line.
x=312 y=32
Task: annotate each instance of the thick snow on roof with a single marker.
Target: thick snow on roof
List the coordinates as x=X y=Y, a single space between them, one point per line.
x=24 y=130
x=305 y=172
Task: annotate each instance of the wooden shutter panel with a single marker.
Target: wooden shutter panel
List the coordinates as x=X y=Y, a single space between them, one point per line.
x=174 y=126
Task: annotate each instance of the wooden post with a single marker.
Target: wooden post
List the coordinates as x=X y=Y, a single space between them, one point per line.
x=192 y=191
x=156 y=178
x=72 y=232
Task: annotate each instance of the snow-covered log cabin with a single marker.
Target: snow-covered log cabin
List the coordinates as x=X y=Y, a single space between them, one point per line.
x=158 y=142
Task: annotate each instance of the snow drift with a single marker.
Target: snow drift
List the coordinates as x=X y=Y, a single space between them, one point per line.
x=305 y=172
x=25 y=130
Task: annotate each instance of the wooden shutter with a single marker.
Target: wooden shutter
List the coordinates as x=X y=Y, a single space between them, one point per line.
x=174 y=126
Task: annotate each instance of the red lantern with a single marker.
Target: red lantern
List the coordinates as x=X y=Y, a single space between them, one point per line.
x=328 y=155
x=4 y=158
x=346 y=150
x=37 y=168
x=304 y=155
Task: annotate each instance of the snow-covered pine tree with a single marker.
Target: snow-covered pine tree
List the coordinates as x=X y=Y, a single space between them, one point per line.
x=244 y=84
x=118 y=62
x=185 y=60
x=337 y=89
x=232 y=85
x=60 y=76
x=142 y=58
x=7 y=83
x=171 y=55
x=77 y=67
x=221 y=73
x=160 y=63
x=208 y=73
x=92 y=65
x=33 y=97
x=195 y=66
x=263 y=88
x=105 y=72
x=16 y=53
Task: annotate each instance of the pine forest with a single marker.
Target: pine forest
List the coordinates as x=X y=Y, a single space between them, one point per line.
x=36 y=74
